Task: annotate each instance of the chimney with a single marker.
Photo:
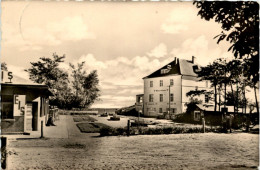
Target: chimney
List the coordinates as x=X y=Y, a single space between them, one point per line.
x=193 y=59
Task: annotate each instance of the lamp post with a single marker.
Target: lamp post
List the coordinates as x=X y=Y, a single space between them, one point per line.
x=169 y=101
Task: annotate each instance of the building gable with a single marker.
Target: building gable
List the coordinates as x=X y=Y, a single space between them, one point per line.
x=178 y=66
x=168 y=69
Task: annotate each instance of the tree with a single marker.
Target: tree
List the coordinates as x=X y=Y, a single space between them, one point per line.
x=234 y=99
x=249 y=71
x=46 y=71
x=91 y=87
x=80 y=92
x=85 y=86
x=213 y=73
x=239 y=21
x=234 y=70
x=240 y=26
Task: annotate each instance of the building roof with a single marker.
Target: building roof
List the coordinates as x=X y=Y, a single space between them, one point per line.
x=20 y=82
x=187 y=68
x=177 y=67
x=139 y=94
x=38 y=87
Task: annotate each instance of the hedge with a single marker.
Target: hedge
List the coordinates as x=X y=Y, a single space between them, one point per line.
x=109 y=131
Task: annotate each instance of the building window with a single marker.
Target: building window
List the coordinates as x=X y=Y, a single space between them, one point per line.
x=172 y=110
x=206 y=98
x=171 y=82
x=161 y=97
x=7 y=106
x=160 y=110
x=7 y=110
x=151 y=109
x=150 y=97
x=171 y=97
x=151 y=83
x=161 y=83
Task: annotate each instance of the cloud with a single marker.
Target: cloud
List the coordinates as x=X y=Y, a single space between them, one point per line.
x=70 y=29
x=91 y=63
x=159 y=51
x=178 y=20
x=52 y=34
x=199 y=47
x=120 y=77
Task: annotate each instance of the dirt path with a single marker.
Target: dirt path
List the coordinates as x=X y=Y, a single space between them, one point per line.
x=181 y=151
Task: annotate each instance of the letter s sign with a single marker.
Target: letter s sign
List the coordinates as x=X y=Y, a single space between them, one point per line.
x=10 y=76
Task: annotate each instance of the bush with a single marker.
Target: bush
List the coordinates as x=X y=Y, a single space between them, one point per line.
x=160 y=117
x=108 y=131
x=91 y=127
x=167 y=130
x=184 y=118
x=115 y=117
x=121 y=131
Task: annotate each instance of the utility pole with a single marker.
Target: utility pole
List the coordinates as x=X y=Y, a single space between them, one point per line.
x=237 y=97
x=169 y=100
x=225 y=81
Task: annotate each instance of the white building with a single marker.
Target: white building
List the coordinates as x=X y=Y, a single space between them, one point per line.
x=166 y=88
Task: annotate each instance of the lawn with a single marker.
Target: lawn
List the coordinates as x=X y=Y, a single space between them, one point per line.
x=91 y=127
x=84 y=118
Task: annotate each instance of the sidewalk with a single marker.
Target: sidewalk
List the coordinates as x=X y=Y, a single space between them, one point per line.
x=65 y=128
x=58 y=131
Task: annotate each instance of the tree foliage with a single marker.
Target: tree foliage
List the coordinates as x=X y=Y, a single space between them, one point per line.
x=191 y=105
x=193 y=93
x=215 y=74
x=234 y=99
x=80 y=92
x=85 y=86
x=240 y=26
x=46 y=71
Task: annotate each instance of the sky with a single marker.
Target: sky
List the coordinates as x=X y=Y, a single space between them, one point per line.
x=123 y=41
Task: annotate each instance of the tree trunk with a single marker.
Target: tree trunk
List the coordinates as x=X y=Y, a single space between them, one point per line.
x=219 y=99
x=215 y=108
x=225 y=92
x=256 y=102
x=237 y=97
x=233 y=97
x=245 y=98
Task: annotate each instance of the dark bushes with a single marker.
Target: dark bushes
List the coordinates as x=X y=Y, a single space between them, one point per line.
x=154 y=131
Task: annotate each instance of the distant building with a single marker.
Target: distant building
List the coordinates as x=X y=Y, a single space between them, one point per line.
x=24 y=105
x=215 y=118
x=165 y=89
